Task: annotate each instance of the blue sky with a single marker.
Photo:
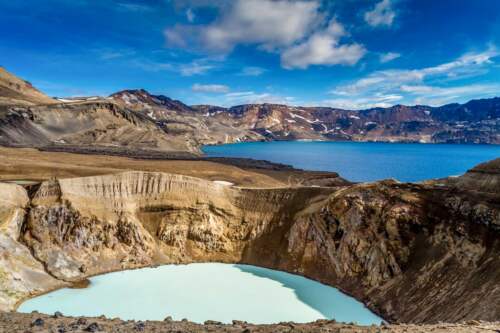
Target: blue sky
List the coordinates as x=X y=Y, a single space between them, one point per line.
x=343 y=53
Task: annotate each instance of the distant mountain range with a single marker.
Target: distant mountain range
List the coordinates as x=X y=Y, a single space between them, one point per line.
x=137 y=119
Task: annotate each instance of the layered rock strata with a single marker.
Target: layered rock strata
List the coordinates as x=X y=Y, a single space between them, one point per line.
x=418 y=253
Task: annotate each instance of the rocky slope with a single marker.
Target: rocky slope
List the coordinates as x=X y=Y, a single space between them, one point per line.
x=473 y=122
x=98 y=123
x=17 y=91
x=417 y=253
x=137 y=119
x=20 y=273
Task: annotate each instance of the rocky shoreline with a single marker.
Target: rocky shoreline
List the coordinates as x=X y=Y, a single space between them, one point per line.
x=40 y=323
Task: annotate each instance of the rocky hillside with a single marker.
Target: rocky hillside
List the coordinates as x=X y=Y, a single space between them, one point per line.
x=29 y=118
x=137 y=119
x=17 y=91
x=417 y=253
x=473 y=122
x=95 y=123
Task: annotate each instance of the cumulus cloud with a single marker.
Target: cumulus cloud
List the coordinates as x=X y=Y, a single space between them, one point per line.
x=390 y=56
x=381 y=15
x=210 y=88
x=267 y=23
x=296 y=29
x=428 y=85
x=323 y=48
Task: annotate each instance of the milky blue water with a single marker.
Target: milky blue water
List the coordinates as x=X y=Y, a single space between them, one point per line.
x=366 y=161
x=201 y=292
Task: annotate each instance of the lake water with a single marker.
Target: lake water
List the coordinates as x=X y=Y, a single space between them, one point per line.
x=366 y=161
x=200 y=292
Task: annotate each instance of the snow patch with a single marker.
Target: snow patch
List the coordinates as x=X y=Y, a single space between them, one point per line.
x=300 y=117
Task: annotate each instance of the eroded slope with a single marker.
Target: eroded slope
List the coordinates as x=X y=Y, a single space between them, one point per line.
x=21 y=275
x=413 y=253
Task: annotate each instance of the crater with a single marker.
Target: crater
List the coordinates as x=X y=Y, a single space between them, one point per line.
x=205 y=291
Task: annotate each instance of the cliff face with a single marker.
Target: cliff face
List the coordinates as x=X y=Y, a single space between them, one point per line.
x=89 y=225
x=20 y=274
x=413 y=253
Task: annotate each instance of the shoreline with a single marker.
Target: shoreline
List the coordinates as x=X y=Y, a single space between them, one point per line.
x=89 y=277
x=19 y=322
x=403 y=142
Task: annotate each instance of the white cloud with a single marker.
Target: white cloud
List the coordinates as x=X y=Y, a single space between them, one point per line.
x=389 y=56
x=428 y=85
x=268 y=23
x=210 y=88
x=251 y=97
x=381 y=15
x=435 y=96
x=252 y=71
x=197 y=67
x=466 y=65
x=322 y=48
x=296 y=29
x=244 y=97
x=360 y=103
x=194 y=68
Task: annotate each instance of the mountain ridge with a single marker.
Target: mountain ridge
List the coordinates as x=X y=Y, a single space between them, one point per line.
x=30 y=118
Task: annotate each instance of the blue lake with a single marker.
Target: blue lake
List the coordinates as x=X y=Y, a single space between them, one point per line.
x=200 y=292
x=366 y=161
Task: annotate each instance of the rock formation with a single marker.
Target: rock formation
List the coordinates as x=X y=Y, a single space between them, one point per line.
x=417 y=253
x=20 y=273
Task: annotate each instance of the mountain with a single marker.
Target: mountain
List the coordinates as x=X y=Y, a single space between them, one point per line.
x=31 y=119
x=140 y=99
x=475 y=110
x=137 y=119
x=16 y=91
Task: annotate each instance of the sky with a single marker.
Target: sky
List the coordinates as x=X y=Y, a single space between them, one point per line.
x=352 y=54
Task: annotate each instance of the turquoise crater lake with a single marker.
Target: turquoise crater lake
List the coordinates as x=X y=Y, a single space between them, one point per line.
x=366 y=161
x=200 y=292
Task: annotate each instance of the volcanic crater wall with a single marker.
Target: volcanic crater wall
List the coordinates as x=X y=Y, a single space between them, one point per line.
x=412 y=253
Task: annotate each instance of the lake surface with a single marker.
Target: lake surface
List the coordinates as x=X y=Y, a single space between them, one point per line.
x=366 y=161
x=199 y=292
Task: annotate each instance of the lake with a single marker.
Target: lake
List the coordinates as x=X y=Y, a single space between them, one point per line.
x=366 y=161
x=200 y=292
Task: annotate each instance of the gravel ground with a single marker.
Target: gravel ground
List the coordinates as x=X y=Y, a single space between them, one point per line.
x=38 y=323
